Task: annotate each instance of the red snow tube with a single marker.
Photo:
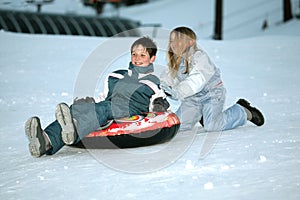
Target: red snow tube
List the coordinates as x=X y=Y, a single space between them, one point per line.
x=139 y=130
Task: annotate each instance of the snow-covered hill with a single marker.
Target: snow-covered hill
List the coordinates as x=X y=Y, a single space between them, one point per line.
x=241 y=19
x=39 y=71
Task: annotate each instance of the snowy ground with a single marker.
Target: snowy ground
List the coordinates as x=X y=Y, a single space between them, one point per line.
x=37 y=72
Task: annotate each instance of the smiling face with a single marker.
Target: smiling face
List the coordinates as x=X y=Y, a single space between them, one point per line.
x=140 y=57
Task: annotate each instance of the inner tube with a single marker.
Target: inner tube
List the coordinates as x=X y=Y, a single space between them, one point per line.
x=135 y=131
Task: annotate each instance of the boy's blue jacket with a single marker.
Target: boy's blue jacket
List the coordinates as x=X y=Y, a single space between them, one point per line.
x=132 y=91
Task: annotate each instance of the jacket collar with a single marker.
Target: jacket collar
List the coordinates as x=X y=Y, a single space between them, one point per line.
x=141 y=70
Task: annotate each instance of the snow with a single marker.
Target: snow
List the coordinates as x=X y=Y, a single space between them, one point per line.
x=39 y=71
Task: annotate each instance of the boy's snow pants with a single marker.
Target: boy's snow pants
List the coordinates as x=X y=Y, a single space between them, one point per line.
x=89 y=117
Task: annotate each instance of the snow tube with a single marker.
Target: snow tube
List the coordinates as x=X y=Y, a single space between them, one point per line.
x=136 y=131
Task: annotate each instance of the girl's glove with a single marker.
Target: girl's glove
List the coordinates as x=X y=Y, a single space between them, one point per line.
x=169 y=91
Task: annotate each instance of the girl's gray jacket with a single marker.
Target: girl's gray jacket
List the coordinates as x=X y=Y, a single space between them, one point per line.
x=203 y=74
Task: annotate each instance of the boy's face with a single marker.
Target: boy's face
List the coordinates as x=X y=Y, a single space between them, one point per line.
x=140 y=57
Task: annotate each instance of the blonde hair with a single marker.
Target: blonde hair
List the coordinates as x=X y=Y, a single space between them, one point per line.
x=182 y=35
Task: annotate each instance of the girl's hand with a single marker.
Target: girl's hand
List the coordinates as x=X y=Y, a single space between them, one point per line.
x=169 y=91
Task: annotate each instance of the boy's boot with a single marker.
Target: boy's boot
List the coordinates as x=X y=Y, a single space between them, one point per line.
x=39 y=142
x=64 y=117
x=256 y=116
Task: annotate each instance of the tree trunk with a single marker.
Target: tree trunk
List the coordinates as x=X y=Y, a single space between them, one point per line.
x=287 y=10
x=218 y=20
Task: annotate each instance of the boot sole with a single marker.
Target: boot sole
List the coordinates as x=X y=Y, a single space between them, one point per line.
x=64 y=117
x=35 y=136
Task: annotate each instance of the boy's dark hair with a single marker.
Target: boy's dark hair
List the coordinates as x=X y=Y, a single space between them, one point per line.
x=148 y=43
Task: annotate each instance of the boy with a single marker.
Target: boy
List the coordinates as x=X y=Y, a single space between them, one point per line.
x=130 y=92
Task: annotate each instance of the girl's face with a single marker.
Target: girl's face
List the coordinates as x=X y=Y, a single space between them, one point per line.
x=140 y=57
x=179 y=43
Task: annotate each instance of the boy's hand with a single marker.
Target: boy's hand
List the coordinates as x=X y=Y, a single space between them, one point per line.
x=160 y=105
x=84 y=100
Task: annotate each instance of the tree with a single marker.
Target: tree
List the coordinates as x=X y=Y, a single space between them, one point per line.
x=39 y=3
x=218 y=20
x=287 y=10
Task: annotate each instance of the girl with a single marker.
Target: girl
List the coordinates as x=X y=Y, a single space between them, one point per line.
x=196 y=81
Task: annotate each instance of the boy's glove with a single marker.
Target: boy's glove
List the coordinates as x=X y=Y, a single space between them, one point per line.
x=160 y=105
x=84 y=100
